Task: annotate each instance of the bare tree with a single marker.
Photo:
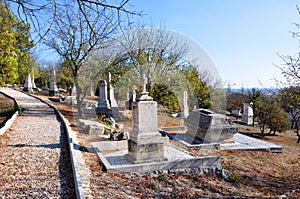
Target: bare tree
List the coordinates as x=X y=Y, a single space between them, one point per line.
x=43 y=14
x=152 y=52
x=290 y=95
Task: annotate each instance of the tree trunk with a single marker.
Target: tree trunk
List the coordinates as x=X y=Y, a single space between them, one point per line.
x=78 y=92
x=298 y=134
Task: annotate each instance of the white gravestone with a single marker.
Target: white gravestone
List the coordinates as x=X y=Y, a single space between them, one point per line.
x=53 y=86
x=28 y=84
x=33 y=84
x=184 y=108
x=247 y=116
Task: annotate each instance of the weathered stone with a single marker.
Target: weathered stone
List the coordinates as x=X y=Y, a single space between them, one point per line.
x=184 y=108
x=145 y=143
x=103 y=107
x=91 y=127
x=247 y=117
x=116 y=136
x=53 y=86
x=209 y=126
x=28 y=84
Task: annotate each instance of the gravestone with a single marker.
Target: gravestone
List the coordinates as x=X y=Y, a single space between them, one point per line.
x=131 y=97
x=145 y=143
x=28 y=84
x=209 y=127
x=73 y=92
x=183 y=102
x=53 y=87
x=103 y=107
x=247 y=116
x=91 y=89
x=111 y=92
x=33 y=84
x=112 y=99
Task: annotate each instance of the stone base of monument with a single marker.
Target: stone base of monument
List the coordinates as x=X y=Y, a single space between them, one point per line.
x=104 y=111
x=142 y=153
x=52 y=92
x=114 y=156
x=28 y=89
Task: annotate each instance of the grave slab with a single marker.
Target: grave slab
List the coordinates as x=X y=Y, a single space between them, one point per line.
x=116 y=161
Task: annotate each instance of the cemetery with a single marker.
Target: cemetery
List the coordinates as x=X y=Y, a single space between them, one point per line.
x=95 y=103
x=148 y=149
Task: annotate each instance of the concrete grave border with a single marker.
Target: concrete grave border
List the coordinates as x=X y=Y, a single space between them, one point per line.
x=10 y=121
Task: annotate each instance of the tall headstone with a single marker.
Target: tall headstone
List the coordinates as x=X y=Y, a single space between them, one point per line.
x=133 y=96
x=112 y=99
x=145 y=143
x=247 y=116
x=111 y=92
x=53 y=87
x=33 y=84
x=28 y=84
x=91 y=89
x=73 y=92
x=103 y=107
x=184 y=108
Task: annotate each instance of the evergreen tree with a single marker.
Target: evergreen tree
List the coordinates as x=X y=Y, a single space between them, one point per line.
x=14 y=47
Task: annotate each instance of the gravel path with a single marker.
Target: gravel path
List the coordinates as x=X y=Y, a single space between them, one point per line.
x=34 y=155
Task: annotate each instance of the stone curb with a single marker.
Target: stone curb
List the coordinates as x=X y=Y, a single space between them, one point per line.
x=10 y=121
x=72 y=140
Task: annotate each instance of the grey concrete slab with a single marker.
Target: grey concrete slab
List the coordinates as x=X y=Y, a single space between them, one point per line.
x=116 y=161
x=238 y=142
x=243 y=142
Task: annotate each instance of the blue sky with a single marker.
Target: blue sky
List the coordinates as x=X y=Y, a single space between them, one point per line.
x=242 y=37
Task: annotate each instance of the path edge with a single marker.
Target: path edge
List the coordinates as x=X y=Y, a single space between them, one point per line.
x=71 y=140
x=10 y=121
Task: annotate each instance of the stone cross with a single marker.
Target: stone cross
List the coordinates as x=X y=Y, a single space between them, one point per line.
x=144 y=94
x=144 y=84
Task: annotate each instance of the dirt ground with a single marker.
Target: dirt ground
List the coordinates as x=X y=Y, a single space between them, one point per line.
x=256 y=174
x=5 y=104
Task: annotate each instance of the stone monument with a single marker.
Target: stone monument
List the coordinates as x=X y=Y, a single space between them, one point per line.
x=247 y=116
x=73 y=92
x=28 y=84
x=103 y=107
x=111 y=92
x=145 y=143
x=53 y=87
x=209 y=127
x=33 y=84
x=91 y=89
x=184 y=108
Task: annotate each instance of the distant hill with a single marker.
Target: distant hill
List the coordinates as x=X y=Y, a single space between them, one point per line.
x=247 y=90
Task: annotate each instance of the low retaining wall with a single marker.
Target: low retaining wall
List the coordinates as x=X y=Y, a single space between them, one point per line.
x=10 y=121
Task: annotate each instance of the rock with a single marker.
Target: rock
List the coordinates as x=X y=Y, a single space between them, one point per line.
x=91 y=127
